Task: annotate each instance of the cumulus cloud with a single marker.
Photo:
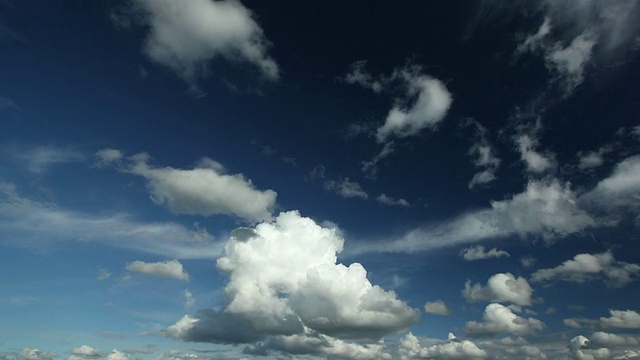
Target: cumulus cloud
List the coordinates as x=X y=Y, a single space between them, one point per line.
x=584 y=267
x=478 y=252
x=437 y=308
x=499 y=319
x=86 y=351
x=203 y=190
x=187 y=36
x=609 y=340
x=546 y=209
x=169 y=269
x=484 y=157
x=431 y=104
x=580 y=349
x=28 y=353
x=622 y=319
x=38 y=224
x=283 y=278
x=500 y=288
x=345 y=188
x=410 y=348
x=117 y=355
x=387 y=200
x=189 y=301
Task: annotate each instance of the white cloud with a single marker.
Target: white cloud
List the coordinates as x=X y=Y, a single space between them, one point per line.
x=579 y=347
x=117 y=355
x=432 y=102
x=357 y=75
x=386 y=200
x=500 y=288
x=345 y=188
x=590 y=160
x=107 y=156
x=104 y=274
x=536 y=162
x=604 y=339
x=86 y=351
x=478 y=252
x=36 y=224
x=40 y=159
x=35 y=354
x=484 y=157
x=189 y=301
x=437 y=308
x=204 y=190
x=498 y=319
x=170 y=269
x=410 y=348
x=569 y=62
x=283 y=278
x=187 y=36
x=546 y=208
x=622 y=319
x=584 y=267
x=620 y=189
x=370 y=168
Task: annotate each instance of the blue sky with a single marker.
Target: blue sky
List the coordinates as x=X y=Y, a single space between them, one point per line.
x=319 y=180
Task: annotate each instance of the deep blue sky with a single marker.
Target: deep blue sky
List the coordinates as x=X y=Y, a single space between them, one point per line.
x=398 y=171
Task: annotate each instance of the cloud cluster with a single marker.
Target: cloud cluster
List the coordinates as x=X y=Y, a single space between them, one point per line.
x=498 y=319
x=584 y=267
x=187 y=36
x=203 y=190
x=284 y=279
x=478 y=252
x=169 y=269
x=500 y=288
x=410 y=348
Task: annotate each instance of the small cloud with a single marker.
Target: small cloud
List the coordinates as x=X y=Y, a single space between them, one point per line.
x=86 y=352
x=107 y=156
x=169 y=269
x=436 y=308
x=189 y=300
x=386 y=200
x=345 y=188
x=500 y=288
x=478 y=252
x=103 y=275
x=499 y=319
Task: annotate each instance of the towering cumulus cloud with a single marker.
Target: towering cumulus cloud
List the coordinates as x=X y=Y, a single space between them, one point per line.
x=284 y=279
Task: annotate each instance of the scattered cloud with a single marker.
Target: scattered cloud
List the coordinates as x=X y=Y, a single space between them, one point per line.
x=499 y=319
x=437 y=307
x=358 y=75
x=622 y=319
x=203 y=190
x=117 y=355
x=38 y=224
x=484 y=156
x=617 y=190
x=187 y=36
x=478 y=252
x=284 y=278
x=40 y=159
x=86 y=351
x=527 y=143
x=569 y=62
x=584 y=267
x=104 y=274
x=189 y=301
x=169 y=269
x=107 y=156
x=500 y=288
x=345 y=188
x=386 y=200
x=370 y=168
x=410 y=348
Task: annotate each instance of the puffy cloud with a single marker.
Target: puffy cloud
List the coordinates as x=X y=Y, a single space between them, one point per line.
x=484 y=157
x=28 y=353
x=546 y=208
x=579 y=347
x=410 y=348
x=585 y=267
x=622 y=319
x=170 y=269
x=283 y=278
x=86 y=351
x=386 y=200
x=500 y=288
x=117 y=355
x=35 y=224
x=432 y=102
x=478 y=252
x=187 y=36
x=204 y=190
x=498 y=319
x=345 y=188
x=604 y=339
x=436 y=307
x=536 y=162
x=512 y=348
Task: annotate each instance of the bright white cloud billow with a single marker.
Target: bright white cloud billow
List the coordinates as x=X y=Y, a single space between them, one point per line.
x=478 y=252
x=187 y=36
x=499 y=319
x=86 y=351
x=169 y=269
x=584 y=267
x=204 y=190
x=500 y=288
x=283 y=278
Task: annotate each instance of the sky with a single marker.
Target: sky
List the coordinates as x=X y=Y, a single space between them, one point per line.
x=186 y=180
